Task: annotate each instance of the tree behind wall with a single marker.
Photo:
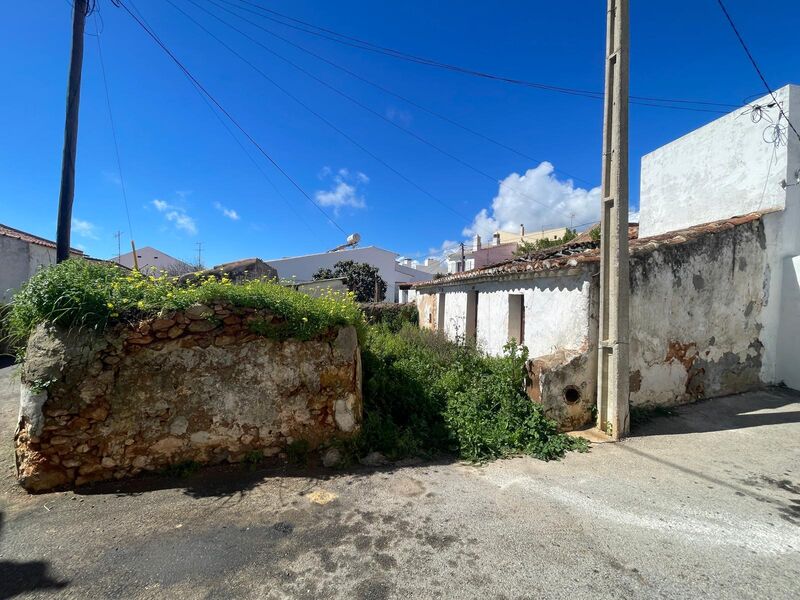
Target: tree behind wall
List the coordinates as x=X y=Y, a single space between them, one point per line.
x=360 y=278
x=525 y=247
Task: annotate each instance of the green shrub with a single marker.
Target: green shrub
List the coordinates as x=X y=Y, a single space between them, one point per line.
x=424 y=394
x=81 y=293
x=393 y=315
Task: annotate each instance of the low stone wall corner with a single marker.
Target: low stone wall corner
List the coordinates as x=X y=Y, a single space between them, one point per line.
x=190 y=386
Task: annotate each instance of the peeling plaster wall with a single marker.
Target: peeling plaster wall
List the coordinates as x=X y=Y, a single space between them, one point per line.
x=427 y=307
x=725 y=169
x=191 y=386
x=697 y=317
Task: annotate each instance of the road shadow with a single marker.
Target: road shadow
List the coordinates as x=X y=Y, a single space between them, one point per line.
x=234 y=482
x=18 y=577
x=761 y=488
x=726 y=413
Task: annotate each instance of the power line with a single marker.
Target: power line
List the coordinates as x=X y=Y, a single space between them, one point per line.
x=230 y=132
x=354 y=42
x=227 y=114
x=113 y=128
x=374 y=112
x=755 y=65
x=392 y=93
x=308 y=108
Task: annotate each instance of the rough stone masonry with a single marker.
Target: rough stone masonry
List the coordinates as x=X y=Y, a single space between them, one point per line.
x=196 y=385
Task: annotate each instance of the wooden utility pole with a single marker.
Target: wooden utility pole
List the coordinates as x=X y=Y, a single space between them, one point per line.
x=80 y=8
x=613 y=375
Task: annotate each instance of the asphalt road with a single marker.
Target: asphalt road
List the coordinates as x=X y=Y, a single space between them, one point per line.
x=705 y=504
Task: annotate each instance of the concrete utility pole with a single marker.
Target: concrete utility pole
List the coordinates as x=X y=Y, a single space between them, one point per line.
x=613 y=374
x=80 y=8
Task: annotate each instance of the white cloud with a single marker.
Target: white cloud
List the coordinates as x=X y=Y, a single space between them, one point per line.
x=446 y=247
x=633 y=216
x=182 y=221
x=228 y=212
x=84 y=228
x=399 y=116
x=343 y=191
x=538 y=200
x=176 y=215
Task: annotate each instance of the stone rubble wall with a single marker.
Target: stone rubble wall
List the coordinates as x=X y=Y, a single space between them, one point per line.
x=196 y=385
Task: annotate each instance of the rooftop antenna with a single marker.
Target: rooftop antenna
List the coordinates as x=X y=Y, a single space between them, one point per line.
x=352 y=241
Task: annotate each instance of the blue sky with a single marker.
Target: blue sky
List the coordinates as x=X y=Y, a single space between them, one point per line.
x=188 y=181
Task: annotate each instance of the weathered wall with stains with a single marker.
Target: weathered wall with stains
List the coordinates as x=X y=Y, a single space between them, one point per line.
x=697 y=315
x=192 y=386
x=729 y=167
x=427 y=307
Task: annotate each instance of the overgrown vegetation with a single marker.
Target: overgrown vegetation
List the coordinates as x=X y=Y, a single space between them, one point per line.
x=525 y=247
x=394 y=316
x=424 y=394
x=360 y=278
x=80 y=293
x=594 y=233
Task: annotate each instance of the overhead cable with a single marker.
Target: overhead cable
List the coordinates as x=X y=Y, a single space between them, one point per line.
x=227 y=114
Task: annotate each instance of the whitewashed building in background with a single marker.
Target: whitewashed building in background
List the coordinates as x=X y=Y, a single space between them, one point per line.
x=715 y=277
x=152 y=259
x=302 y=268
x=22 y=254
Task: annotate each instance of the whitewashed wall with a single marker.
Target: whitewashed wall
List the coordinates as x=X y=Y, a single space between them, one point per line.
x=718 y=171
x=19 y=261
x=557 y=312
x=302 y=268
x=782 y=321
x=455 y=313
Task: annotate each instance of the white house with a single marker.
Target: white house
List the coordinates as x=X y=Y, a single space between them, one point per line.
x=150 y=258
x=21 y=256
x=302 y=268
x=715 y=277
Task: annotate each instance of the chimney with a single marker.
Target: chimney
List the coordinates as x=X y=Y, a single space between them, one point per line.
x=522 y=230
x=496 y=238
x=476 y=245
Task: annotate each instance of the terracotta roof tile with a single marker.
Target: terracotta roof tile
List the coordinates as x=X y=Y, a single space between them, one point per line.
x=32 y=239
x=582 y=251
